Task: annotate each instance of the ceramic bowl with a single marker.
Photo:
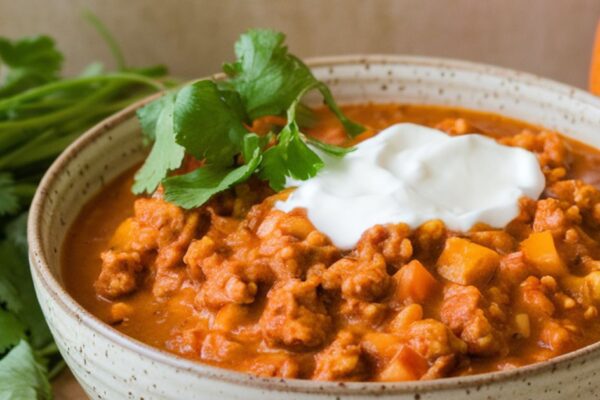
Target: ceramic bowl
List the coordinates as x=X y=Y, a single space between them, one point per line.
x=112 y=366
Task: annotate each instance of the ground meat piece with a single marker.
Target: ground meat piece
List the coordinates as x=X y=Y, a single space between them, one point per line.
x=218 y=347
x=225 y=285
x=170 y=257
x=166 y=218
x=275 y=365
x=292 y=245
x=463 y=311
x=196 y=254
x=363 y=312
x=362 y=279
x=456 y=126
x=550 y=216
x=556 y=337
x=294 y=315
x=497 y=240
x=120 y=273
x=341 y=360
x=513 y=269
x=533 y=297
x=585 y=197
x=550 y=149
x=389 y=240
x=432 y=339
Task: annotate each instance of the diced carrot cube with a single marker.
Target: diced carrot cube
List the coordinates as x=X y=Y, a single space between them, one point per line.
x=415 y=282
x=380 y=345
x=540 y=252
x=406 y=365
x=467 y=263
x=408 y=315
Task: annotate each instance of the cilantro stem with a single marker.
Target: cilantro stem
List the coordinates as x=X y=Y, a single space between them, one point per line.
x=108 y=38
x=24 y=191
x=52 y=87
x=49 y=350
x=53 y=373
x=7 y=138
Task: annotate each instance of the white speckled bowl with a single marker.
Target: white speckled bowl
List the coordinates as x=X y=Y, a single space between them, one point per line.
x=112 y=366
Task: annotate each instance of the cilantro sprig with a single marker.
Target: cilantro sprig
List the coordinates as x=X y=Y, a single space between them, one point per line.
x=40 y=114
x=210 y=120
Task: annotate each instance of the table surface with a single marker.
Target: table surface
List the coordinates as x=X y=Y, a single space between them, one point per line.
x=66 y=387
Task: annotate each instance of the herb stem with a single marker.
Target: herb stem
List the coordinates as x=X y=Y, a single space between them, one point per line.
x=49 y=350
x=76 y=82
x=7 y=138
x=108 y=38
x=53 y=373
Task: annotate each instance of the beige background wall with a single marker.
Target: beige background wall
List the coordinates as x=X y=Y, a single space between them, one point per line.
x=547 y=37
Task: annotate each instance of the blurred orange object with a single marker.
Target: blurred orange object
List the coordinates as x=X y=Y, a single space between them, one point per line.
x=595 y=65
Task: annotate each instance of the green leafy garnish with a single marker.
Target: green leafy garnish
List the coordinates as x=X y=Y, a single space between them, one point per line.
x=197 y=187
x=212 y=122
x=14 y=281
x=330 y=149
x=12 y=330
x=208 y=122
x=269 y=79
x=31 y=62
x=166 y=154
x=40 y=115
x=23 y=376
x=9 y=202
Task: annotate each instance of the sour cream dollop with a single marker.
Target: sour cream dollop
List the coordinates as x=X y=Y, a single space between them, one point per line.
x=411 y=173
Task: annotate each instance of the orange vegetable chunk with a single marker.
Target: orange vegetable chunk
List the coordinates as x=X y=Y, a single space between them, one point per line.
x=414 y=282
x=124 y=234
x=467 y=263
x=540 y=252
x=406 y=365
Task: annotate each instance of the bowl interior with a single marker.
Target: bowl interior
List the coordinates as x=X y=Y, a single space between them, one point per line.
x=115 y=145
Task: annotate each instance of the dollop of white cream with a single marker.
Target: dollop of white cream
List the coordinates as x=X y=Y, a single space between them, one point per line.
x=411 y=173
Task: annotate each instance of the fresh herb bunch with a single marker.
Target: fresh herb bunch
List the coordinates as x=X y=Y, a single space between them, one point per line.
x=211 y=121
x=40 y=114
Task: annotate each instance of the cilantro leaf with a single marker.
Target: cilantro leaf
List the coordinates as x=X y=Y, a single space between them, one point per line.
x=9 y=201
x=269 y=79
x=208 y=122
x=351 y=127
x=290 y=157
x=330 y=149
x=22 y=376
x=16 y=232
x=166 y=155
x=31 y=61
x=148 y=116
x=15 y=282
x=197 y=187
x=11 y=330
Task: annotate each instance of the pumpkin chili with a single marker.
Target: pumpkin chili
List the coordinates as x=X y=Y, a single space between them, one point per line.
x=238 y=284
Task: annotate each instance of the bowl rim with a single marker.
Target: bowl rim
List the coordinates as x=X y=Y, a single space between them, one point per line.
x=39 y=264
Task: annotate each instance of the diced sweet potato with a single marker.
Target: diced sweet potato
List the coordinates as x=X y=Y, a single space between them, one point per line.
x=539 y=251
x=123 y=235
x=467 y=263
x=406 y=365
x=415 y=282
x=380 y=345
x=408 y=315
